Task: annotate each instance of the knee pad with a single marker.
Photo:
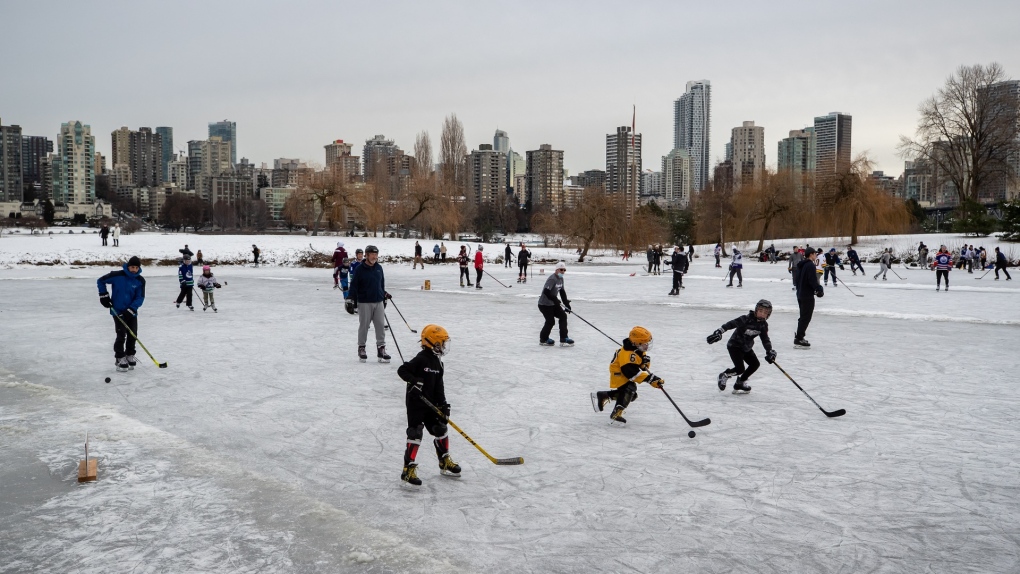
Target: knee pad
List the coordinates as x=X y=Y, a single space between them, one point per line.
x=415 y=432
x=438 y=430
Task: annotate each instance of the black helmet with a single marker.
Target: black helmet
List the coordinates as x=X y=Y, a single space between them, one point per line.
x=764 y=304
x=371 y=249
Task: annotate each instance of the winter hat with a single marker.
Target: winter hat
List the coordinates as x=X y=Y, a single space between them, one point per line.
x=479 y=246
x=371 y=249
x=832 y=250
x=135 y=261
x=561 y=265
x=187 y=258
x=206 y=268
x=339 y=244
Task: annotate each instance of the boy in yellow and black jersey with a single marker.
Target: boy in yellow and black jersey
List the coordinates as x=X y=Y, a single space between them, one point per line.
x=628 y=369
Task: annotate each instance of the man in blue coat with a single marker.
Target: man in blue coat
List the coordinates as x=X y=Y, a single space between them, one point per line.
x=368 y=295
x=128 y=295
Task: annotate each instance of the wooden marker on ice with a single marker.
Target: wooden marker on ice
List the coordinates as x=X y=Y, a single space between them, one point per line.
x=87 y=469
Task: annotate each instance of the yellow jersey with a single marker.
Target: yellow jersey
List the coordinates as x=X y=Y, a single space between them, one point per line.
x=622 y=359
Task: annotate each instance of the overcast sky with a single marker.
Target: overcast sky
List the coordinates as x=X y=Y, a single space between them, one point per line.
x=297 y=75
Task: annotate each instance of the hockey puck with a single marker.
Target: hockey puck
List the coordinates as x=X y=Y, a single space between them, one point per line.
x=692 y=434
x=108 y=379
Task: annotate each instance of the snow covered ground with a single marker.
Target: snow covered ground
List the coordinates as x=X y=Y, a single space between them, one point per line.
x=267 y=447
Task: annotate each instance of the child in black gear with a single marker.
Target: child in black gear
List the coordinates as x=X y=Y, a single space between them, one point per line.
x=424 y=377
x=741 y=344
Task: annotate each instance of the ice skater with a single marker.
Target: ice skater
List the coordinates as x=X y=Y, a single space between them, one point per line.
x=741 y=345
x=341 y=268
x=463 y=259
x=1000 y=264
x=680 y=263
x=207 y=283
x=806 y=284
x=943 y=265
x=255 y=253
x=424 y=377
x=116 y=235
x=831 y=261
x=186 y=280
x=368 y=295
x=629 y=368
x=128 y=295
x=551 y=310
x=885 y=262
x=523 y=256
x=735 y=266
x=855 y=260
x=479 y=264
x=508 y=257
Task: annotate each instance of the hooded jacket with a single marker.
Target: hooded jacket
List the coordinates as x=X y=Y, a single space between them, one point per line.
x=128 y=289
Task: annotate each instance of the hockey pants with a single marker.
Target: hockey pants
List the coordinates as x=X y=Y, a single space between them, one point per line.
x=419 y=418
x=186 y=291
x=740 y=357
x=624 y=395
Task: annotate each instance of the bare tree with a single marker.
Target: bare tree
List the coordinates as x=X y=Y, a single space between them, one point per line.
x=422 y=193
x=297 y=210
x=764 y=201
x=968 y=129
x=591 y=223
x=327 y=192
x=854 y=205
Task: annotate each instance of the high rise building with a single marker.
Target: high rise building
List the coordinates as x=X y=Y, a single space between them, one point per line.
x=676 y=178
x=194 y=163
x=486 y=171
x=591 y=178
x=336 y=150
x=515 y=165
x=74 y=178
x=544 y=178
x=146 y=157
x=748 y=153
x=34 y=150
x=12 y=179
x=623 y=168
x=178 y=172
x=692 y=115
x=798 y=156
x=832 y=147
x=375 y=152
x=651 y=183
x=121 y=150
x=1004 y=100
x=227 y=132
x=166 y=135
x=340 y=161
x=501 y=142
x=99 y=164
x=215 y=161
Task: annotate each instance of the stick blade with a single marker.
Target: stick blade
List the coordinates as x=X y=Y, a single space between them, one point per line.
x=162 y=365
x=701 y=423
x=835 y=414
x=510 y=461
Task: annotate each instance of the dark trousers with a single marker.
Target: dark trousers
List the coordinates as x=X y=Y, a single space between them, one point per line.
x=678 y=281
x=186 y=291
x=624 y=394
x=522 y=270
x=997 y=268
x=939 y=274
x=551 y=313
x=465 y=274
x=509 y=262
x=830 y=269
x=104 y=241
x=119 y=349
x=740 y=277
x=419 y=419
x=740 y=357
x=807 y=309
x=478 y=276
x=857 y=264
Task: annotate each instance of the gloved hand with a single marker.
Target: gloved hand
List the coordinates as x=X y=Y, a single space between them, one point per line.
x=104 y=300
x=819 y=292
x=770 y=357
x=180 y=283
x=645 y=361
x=416 y=386
x=656 y=382
x=715 y=337
x=349 y=306
x=566 y=307
x=130 y=312
x=217 y=285
x=387 y=296
x=446 y=410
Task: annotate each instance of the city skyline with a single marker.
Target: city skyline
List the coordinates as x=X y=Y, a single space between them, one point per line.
x=877 y=68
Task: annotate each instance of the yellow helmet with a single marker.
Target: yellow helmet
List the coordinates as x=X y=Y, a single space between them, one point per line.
x=436 y=338
x=640 y=336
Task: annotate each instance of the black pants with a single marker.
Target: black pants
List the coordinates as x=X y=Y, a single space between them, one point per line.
x=740 y=277
x=186 y=291
x=678 y=281
x=939 y=274
x=104 y=241
x=465 y=274
x=740 y=357
x=551 y=313
x=624 y=394
x=807 y=309
x=522 y=270
x=830 y=269
x=509 y=262
x=997 y=268
x=119 y=349
x=256 y=260
x=857 y=264
x=419 y=418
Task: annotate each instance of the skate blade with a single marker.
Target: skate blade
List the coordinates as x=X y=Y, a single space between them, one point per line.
x=408 y=486
x=595 y=402
x=566 y=344
x=384 y=360
x=801 y=347
x=614 y=423
x=449 y=474
x=740 y=392
x=363 y=360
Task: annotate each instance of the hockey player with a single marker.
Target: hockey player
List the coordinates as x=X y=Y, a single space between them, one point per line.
x=368 y=296
x=463 y=259
x=340 y=267
x=735 y=266
x=943 y=265
x=359 y=255
x=806 y=284
x=424 y=377
x=479 y=263
x=855 y=260
x=741 y=345
x=255 y=253
x=417 y=257
x=885 y=262
x=523 y=256
x=718 y=253
x=679 y=262
x=186 y=279
x=1000 y=264
x=508 y=256
x=207 y=283
x=628 y=369
x=831 y=261
x=551 y=310
x=128 y=295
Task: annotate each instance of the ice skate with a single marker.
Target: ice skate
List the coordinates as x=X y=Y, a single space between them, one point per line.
x=568 y=342
x=599 y=400
x=410 y=475
x=616 y=419
x=723 y=377
x=801 y=344
x=449 y=468
x=122 y=365
x=214 y=309
x=191 y=307
x=178 y=304
x=380 y=353
x=547 y=343
x=131 y=361
x=362 y=355
x=741 y=388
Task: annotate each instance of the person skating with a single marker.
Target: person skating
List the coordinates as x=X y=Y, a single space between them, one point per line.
x=187 y=252
x=128 y=295
x=341 y=268
x=690 y=254
x=424 y=377
x=255 y=251
x=207 y=283
x=551 y=310
x=479 y=263
x=718 y=254
x=943 y=265
x=855 y=260
x=368 y=296
x=885 y=262
x=680 y=263
x=735 y=268
x=523 y=257
x=807 y=289
x=116 y=235
x=417 y=257
x=796 y=256
x=831 y=261
x=508 y=257
x=186 y=279
x=1000 y=264
x=741 y=345
x=629 y=368
x=648 y=255
x=359 y=256
x=657 y=260
x=463 y=259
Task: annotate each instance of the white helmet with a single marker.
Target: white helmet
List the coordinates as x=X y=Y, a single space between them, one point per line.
x=339 y=244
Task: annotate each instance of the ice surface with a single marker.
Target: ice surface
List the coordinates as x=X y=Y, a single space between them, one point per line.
x=267 y=447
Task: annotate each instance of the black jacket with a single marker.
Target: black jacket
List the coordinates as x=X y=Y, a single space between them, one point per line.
x=806 y=280
x=427 y=368
x=417 y=250
x=368 y=285
x=678 y=260
x=745 y=329
x=523 y=256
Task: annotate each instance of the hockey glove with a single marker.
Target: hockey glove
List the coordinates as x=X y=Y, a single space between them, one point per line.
x=770 y=357
x=566 y=307
x=387 y=296
x=646 y=361
x=104 y=300
x=129 y=312
x=446 y=410
x=715 y=337
x=819 y=292
x=656 y=382
x=349 y=306
x=217 y=285
x=415 y=387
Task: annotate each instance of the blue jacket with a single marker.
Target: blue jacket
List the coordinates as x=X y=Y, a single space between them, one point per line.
x=128 y=289
x=368 y=285
x=185 y=275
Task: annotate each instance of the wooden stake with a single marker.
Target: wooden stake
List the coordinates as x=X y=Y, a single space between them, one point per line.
x=87 y=469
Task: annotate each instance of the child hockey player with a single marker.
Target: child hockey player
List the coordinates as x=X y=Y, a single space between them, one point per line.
x=340 y=267
x=679 y=262
x=186 y=279
x=735 y=266
x=349 y=305
x=741 y=344
x=424 y=377
x=128 y=295
x=627 y=370
x=943 y=265
x=462 y=261
x=207 y=283
x=831 y=261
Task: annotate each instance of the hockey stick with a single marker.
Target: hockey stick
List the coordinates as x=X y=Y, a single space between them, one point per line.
x=199 y=297
x=499 y=461
x=596 y=328
x=850 y=290
x=394 y=335
x=694 y=424
x=496 y=280
x=316 y=250
x=117 y=317
x=832 y=414
x=983 y=276
x=402 y=316
x=897 y=274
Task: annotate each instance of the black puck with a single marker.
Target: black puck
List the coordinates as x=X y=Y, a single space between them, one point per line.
x=691 y=434
x=108 y=379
